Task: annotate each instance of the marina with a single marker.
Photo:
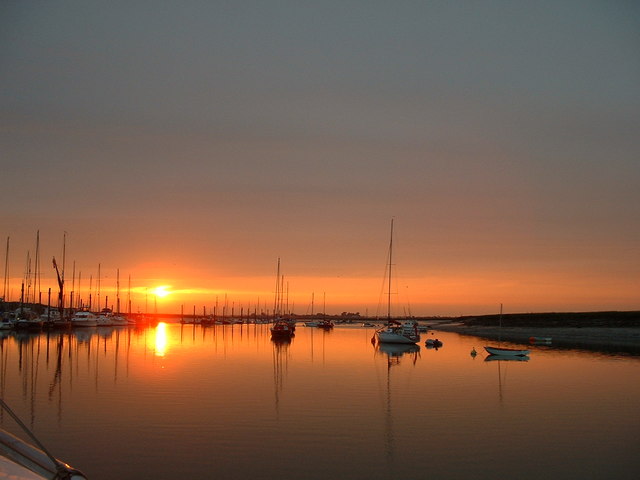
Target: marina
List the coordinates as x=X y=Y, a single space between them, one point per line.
x=229 y=401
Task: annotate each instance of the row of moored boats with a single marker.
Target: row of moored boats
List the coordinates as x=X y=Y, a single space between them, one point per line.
x=26 y=319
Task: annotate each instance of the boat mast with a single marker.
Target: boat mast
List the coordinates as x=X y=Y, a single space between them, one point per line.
x=118 y=291
x=36 y=283
x=390 y=258
x=5 y=285
x=276 y=309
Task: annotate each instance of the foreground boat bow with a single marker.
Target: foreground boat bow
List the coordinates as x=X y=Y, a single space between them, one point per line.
x=21 y=461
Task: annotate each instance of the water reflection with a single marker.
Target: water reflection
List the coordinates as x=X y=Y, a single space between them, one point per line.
x=502 y=370
x=394 y=352
x=280 y=366
x=235 y=390
x=161 y=339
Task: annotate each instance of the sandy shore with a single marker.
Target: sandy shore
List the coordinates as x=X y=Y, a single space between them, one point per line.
x=622 y=339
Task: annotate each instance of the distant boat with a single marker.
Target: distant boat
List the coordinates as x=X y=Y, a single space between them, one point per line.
x=433 y=342
x=282 y=328
x=506 y=352
x=326 y=324
x=84 y=318
x=503 y=351
x=107 y=318
x=5 y=323
x=27 y=320
x=396 y=332
x=497 y=357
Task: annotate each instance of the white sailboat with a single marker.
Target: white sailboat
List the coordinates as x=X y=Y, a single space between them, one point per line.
x=503 y=351
x=395 y=331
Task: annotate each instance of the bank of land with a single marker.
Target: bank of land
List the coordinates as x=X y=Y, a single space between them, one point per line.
x=611 y=331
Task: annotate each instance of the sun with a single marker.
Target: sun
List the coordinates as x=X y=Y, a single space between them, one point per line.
x=162 y=291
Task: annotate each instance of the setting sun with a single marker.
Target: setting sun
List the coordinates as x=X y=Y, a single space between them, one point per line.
x=161 y=291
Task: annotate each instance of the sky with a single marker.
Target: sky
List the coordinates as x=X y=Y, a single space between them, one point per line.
x=191 y=144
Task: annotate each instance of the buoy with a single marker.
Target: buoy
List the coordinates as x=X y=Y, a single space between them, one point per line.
x=473 y=352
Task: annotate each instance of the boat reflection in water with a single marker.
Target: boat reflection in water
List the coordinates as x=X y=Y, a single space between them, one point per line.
x=280 y=366
x=394 y=351
x=394 y=411
x=502 y=372
x=507 y=358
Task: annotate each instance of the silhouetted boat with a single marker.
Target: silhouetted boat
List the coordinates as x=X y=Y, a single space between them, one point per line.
x=396 y=332
x=496 y=357
x=281 y=327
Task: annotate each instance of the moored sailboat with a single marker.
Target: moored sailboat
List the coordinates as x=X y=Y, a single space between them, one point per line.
x=503 y=351
x=396 y=332
x=282 y=327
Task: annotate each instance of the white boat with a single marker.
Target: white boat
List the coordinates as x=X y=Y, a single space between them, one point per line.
x=506 y=352
x=396 y=332
x=22 y=461
x=503 y=351
x=84 y=318
x=119 y=321
x=498 y=358
x=107 y=318
x=311 y=324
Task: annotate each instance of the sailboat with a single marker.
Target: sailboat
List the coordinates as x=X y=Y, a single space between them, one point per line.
x=503 y=351
x=396 y=332
x=326 y=323
x=281 y=328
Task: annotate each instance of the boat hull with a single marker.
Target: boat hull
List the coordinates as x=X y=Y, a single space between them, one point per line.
x=397 y=338
x=506 y=352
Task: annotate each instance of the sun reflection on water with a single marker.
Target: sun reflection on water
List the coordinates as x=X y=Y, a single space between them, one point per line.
x=161 y=340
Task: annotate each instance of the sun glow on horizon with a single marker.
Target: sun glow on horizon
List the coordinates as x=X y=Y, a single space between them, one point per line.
x=162 y=291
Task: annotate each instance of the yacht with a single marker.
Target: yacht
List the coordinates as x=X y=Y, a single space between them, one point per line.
x=84 y=318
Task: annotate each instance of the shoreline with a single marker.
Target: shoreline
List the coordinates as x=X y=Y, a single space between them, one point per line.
x=602 y=338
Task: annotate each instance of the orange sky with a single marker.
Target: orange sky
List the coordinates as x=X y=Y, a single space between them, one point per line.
x=192 y=147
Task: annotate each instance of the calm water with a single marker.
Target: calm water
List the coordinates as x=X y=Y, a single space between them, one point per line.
x=227 y=403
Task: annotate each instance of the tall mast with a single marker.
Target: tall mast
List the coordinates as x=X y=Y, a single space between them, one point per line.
x=78 y=297
x=118 y=291
x=73 y=283
x=5 y=285
x=36 y=282
x=27 y=279
x=390 y=259
x=98 y=288
x=64 y=252
x=275 y=303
